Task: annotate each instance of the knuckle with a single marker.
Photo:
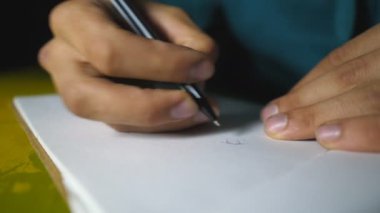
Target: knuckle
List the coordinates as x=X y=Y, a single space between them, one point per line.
x=373 y=95
x=60 y=13
x=103 y=55
x=289 y=101
x=43 y=55
x=309 y=118
x=77 y=101
x=208 y=46
x=175 y=11
x=338 y=56
x=302 y=121
x=355 y=72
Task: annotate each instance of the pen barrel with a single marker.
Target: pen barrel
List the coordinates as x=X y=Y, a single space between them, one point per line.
x=134 y=17
x=200 y=99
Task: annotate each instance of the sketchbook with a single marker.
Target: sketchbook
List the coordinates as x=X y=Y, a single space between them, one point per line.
x=234 y=168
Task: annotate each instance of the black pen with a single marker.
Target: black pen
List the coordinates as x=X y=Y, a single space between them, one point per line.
x=129 y=13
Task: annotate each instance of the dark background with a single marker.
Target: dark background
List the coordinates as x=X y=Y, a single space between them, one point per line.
x=24 y=29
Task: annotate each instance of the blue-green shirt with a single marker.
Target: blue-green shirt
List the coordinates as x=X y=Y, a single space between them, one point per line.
x=284 y=39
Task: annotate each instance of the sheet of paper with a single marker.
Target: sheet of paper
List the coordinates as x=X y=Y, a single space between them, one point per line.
x=234 y=168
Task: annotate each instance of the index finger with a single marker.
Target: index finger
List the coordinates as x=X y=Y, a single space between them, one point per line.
x=180 y=30
x=119 y=53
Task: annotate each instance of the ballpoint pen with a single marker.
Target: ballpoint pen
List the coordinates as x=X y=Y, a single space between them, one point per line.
x=129 y=13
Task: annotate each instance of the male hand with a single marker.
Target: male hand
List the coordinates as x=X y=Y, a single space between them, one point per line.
x=338 y=102
x=88 y=45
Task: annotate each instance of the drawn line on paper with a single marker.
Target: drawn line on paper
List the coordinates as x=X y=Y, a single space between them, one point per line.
x=233 y=141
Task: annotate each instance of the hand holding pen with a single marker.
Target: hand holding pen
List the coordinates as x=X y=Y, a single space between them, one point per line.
x=88 y=45
x=128 y=11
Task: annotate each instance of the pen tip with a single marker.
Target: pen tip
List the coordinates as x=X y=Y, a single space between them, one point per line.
x=216 y=123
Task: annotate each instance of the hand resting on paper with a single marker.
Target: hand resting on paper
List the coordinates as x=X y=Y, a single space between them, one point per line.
x=88 y=45
x=338 y=102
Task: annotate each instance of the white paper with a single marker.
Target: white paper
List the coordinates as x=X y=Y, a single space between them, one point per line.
x=235 y=168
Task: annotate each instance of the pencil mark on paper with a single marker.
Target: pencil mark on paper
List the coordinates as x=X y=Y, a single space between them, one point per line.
x=234 y=141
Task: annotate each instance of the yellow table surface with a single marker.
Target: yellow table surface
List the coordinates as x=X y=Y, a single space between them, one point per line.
x=25 y=185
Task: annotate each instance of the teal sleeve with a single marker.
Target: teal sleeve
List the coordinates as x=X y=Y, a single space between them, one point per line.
x=374 y=10
x=201 y=11
x=287 y=38
x=280 y=41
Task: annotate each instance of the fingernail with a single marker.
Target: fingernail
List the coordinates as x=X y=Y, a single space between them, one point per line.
x=200 y=118
x=276 y=123
x=269 y=110
x=201 y=71
x=183 y=110
x=328 y=133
